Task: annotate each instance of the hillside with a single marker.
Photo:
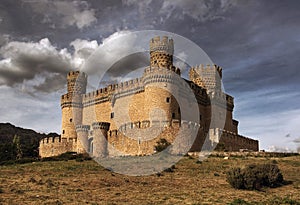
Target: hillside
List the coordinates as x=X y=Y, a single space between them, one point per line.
x=17 y=142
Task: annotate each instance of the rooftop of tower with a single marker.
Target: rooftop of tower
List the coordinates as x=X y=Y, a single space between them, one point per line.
x=164 y=44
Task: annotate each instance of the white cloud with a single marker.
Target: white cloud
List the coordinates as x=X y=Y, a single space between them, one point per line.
x=266 y=122
x=274 y=148
x=34 y=66
x=23 y=60
x=4 y=38
x=112 y=49
x=83 y=49
x=65 y=13
x=40 y=66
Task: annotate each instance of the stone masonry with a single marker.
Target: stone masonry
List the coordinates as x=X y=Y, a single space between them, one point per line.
x=129 y=118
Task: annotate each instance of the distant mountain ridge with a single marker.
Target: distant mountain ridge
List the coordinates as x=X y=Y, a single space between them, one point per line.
x=17 y=142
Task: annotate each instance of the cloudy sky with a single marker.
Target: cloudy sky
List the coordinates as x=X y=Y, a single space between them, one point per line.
x=256 y=42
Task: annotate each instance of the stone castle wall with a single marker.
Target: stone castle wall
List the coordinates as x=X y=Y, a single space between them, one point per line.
x=55 y=146
x=95 y=121
x=232 y=141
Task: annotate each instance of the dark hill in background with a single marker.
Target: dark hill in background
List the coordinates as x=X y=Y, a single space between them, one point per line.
x=18 y=143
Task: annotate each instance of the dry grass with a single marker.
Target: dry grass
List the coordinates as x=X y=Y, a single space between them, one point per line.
x=71 y=182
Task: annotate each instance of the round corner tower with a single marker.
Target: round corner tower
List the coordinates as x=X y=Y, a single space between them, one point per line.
x=71 y=103
x=161 y=82
x=100 y=143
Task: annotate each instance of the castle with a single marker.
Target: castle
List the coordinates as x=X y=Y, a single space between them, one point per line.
x=129 y=118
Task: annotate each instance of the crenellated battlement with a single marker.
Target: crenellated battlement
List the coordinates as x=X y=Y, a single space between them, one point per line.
x=82 y=128
x=77 y=82
x=76 y=74
x=113 y=89
x=54 y=146
x=101 y=125
x=163 y=44
x=208 y=76
x=50 y=140
x=161 y=52
x=113 y=92
x=208 y=69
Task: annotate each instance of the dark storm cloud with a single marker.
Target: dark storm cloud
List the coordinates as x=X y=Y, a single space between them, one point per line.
x=30 y=63
x=251 y=40
x=51 y=84
x=256 y=43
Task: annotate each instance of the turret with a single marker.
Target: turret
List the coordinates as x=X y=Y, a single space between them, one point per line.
x=82 y=138
x=161 y=52
x=208 y=76
x=77 y=82
x=100 y=130
x=71 y=104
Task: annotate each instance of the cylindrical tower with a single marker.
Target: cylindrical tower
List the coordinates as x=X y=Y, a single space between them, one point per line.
x=77 y=82
x=71 y=103
x=161 y=87
x=100 y=130
x=209 y=76
x=161 y=82
x=161 y=52
x=82 y=138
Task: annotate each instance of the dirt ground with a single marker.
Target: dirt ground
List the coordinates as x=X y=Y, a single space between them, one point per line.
x=73 y=182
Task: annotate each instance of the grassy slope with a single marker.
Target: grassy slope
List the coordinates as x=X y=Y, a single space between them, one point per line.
x=71 y=182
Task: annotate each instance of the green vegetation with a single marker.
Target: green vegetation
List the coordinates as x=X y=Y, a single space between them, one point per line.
x=239 y=202
x=255 y=176
x=18 y=144
x=161 y=145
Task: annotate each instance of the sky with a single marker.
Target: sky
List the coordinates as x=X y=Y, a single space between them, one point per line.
x=256 y=42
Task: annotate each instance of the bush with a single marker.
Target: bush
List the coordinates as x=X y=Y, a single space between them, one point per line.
x=161 y=145
x=239 y=202
x=68 y=156
x=255 y=177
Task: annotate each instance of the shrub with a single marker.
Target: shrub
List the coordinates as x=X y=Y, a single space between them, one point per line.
x=255 y=177
x=235 y=178
x=161 y=145
x=68 y=156
x=239 y=202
